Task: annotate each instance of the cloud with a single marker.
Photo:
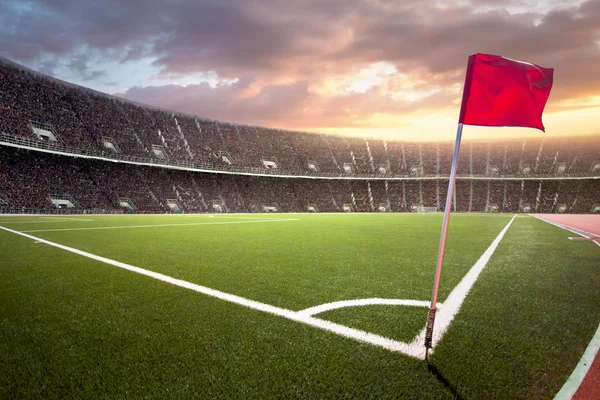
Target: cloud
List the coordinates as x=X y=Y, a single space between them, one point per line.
x=225 y=100
x=291 y=105
x=296 y=60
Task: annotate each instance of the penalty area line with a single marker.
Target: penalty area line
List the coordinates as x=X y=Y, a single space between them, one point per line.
x=341 y=330
x=97 y=228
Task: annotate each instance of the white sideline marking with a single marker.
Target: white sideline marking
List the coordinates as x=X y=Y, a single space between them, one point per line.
x=231 y=216
x=414 y=349
x=454 y=301
x=576 y=378
x=338 y=329
x=579 y=232
x=584 y=238
x=579 y=373
x=363 y=302
x=159 y=225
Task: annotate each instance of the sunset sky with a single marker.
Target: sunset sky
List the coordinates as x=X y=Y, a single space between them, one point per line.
x=378 y=68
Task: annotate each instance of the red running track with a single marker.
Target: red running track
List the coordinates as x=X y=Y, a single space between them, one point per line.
x=588 y=226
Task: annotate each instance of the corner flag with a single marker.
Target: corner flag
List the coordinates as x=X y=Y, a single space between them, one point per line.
x=503 y=92
x=498 y=91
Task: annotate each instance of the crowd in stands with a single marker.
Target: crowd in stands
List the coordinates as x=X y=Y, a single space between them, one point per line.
x=479 y=196
x=39 y=109
x=31 y=180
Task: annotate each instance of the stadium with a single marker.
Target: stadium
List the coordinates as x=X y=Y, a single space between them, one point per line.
x=147 y=252
x=80 y=141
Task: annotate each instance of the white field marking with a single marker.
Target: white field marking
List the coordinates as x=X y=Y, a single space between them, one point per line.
x=581 y=370
x=332 y=327
x=454 y=301
x=405 y=214
x=70 y=219
x=579 y=232
x=362 y=302
x=572 y=384
x=224 y=216
x=42 y=221
x=159 y=225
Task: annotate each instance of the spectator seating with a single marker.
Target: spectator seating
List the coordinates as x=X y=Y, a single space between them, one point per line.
x=512 y=174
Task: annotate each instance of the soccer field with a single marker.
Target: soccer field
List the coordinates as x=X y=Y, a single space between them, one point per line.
x=250 y=306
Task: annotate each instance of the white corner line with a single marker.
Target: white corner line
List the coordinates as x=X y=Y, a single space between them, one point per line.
x=332 y=327
x=458 y=295
x=98 y=228
x=362 y=302
x=583 y=366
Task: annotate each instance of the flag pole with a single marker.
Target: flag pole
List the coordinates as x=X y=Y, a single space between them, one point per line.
x=449 y=196
x=488 y=107
x=440 y=258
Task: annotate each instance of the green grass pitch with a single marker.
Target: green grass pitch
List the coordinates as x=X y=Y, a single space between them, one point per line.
x=73 y=327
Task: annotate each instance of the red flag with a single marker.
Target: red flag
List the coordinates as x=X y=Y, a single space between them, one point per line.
x=503 y=92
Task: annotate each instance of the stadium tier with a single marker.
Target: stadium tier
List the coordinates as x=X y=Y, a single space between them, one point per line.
x=31 y=181
x=67 y=147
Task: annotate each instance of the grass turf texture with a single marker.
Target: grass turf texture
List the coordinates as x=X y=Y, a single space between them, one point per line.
x=74 y=327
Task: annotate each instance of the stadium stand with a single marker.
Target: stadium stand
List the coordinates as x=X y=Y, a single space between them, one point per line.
x=479 y=196
x=217 y=166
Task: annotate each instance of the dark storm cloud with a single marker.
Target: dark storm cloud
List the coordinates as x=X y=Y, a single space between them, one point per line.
x=34 y=31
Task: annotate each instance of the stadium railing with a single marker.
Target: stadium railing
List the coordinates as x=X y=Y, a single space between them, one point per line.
x=57 y=148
